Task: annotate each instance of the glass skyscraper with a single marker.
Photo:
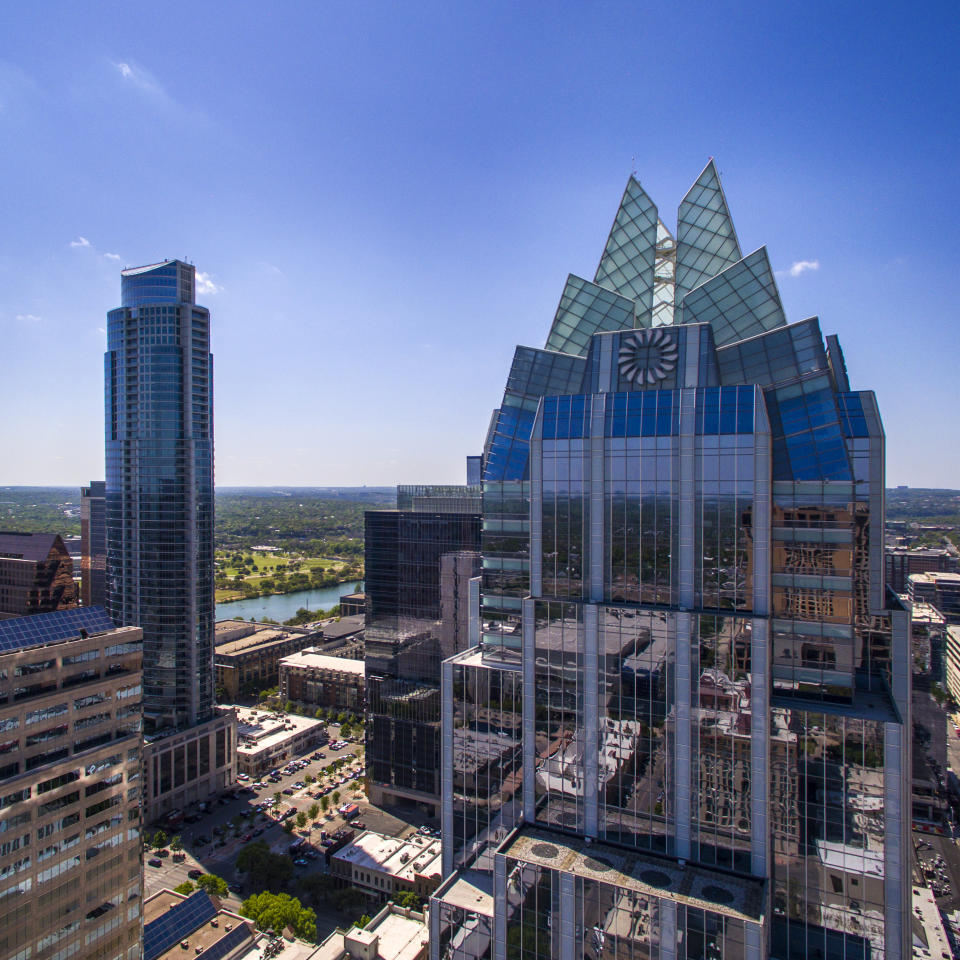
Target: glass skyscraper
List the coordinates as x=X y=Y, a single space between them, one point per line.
x=419 y=563
x=159 y=487
x=683 y=732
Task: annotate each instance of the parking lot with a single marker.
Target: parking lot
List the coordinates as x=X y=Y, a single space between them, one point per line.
x=215 y=836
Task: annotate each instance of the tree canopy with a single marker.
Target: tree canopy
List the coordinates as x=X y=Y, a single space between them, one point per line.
x=270 y=871
x=274 y=911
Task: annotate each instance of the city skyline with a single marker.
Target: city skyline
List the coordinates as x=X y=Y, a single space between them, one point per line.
x=363 y=209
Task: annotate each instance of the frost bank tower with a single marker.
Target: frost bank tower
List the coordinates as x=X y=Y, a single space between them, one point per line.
x=683 y=728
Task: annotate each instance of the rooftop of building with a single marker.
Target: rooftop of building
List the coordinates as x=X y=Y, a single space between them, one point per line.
x=701 y=887
x=395 y=933
x=134 y=271
x=41 y=629
x=262 y=636
x=20 y=545
x=404 y=859
x=470 y=890
x=923 y=612
x=344 y=627
x=172 y=920
x=310 y=657
x=935 y=577
x=259 y=729
x=919 y=551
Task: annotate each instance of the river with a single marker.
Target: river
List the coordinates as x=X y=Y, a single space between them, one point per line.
x=282 y=606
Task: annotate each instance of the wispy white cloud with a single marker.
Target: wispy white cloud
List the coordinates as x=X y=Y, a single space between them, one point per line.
x=80 y=242
x=28 y=318
x=205 y=283
x=141 y=78
x=800 y=267
x=113 y=256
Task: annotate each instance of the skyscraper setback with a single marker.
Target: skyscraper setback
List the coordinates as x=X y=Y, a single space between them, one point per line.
x=683 y=732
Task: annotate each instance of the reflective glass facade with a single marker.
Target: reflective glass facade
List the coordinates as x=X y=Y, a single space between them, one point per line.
x=419 y=563
x=681 y=732
x=159 y=487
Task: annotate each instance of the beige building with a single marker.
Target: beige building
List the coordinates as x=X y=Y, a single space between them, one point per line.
x=395 y=933
x=313 y=679
x=189 y=765
x=70 y=787
x=381 y=866
x=266 y=740
x=952 y=662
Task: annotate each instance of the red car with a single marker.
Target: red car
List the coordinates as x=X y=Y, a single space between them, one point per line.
x=358 y=824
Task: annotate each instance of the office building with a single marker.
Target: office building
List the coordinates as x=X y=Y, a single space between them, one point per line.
x=70 y=786
x=952 y=662
x=36 y=574
x=159 y=524
x=418 y=561
x=684 y=729
x=901 y=562
x=940 y=590
x=93 y=544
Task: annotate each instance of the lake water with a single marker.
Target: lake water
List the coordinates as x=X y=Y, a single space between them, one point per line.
x=282 y=606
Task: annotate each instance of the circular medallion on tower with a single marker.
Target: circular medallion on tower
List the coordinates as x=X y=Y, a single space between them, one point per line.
x=648 y=356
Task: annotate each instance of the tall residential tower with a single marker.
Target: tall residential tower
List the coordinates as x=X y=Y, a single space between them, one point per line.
x=684 y=730
x=159 y=520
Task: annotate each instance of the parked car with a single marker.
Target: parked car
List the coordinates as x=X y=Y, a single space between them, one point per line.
x=359 y=824
x=155 y=862
x=194 y=874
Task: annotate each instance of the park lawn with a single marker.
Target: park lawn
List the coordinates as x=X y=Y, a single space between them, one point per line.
x=267 y=566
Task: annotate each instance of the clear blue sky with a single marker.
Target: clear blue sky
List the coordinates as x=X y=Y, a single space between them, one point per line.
x=385 y=198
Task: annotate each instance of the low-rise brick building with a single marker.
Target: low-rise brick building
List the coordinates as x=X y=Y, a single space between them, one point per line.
x=312 y=679
x=247 y=655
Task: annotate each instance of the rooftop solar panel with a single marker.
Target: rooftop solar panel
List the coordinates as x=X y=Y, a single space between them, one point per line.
x=220 y=949
x=44 y=628
x=177 y=924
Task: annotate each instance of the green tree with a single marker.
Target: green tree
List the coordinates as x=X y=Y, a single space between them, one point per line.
x=324 y=803
x=277 y=797
x=159 y=840
x=288 y=826
x=314 y=811
x=267 y=870
x=335 y=797
x=363 y=921
x=186 y=888
x=301 y=819
x=176 y=844
x=408 y=899
x=211 y=883
x=309 y=778
x=274 y=911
